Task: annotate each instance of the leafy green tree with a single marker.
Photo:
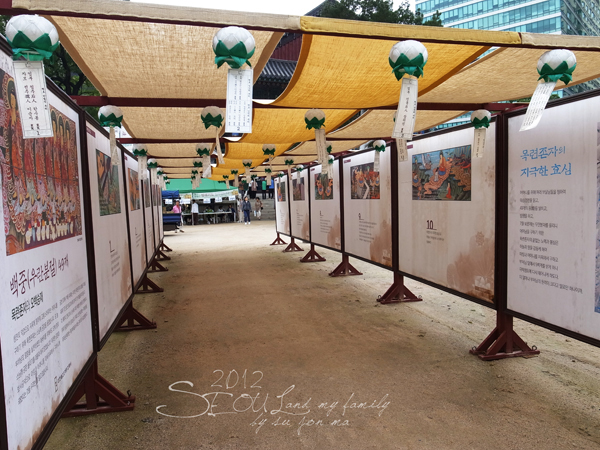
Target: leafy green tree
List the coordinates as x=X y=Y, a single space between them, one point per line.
x=377 y=11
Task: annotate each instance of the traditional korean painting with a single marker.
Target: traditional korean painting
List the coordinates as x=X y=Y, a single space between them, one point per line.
x=364 y=182
x=39 y=177
x=442 y=175
x=108 y=185
x=323 y=187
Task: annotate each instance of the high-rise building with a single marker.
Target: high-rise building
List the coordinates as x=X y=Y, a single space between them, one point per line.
x=579 y=17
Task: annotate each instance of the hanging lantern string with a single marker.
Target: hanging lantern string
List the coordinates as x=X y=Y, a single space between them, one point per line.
x=315 y=119
x=234 y=172
x=142 y=156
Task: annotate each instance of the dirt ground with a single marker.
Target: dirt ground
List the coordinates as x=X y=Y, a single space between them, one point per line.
x=255 y=350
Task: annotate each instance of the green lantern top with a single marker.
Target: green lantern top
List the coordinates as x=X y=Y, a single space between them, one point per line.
x=234 y=46
x=110 y=116
x=212 y=116
x=314 y=118
x=408 y=57
x=557 y=65
x=32 y=37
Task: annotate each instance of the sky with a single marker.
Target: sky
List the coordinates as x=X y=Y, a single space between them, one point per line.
x=291 y=7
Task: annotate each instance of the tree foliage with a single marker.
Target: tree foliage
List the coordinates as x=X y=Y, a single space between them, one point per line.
x=377 y=11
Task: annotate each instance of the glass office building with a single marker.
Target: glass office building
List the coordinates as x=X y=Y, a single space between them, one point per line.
x=580 y=17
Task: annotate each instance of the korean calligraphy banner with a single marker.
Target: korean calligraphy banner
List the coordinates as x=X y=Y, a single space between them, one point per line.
x=45 y=321
x=325 y=206
x=368 y=207
x=299 y=206
x=554 y=217
x=282 y=216
x=111 y=244
x=136 y=218
x=447 y=204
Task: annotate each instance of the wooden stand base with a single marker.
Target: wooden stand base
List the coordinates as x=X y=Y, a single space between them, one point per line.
x=344 y=269
x=398 y=293
x=278 y=241
x=148 y=286
x=135 y=321
x=155 y=266
x=312 y=256
x=293 y=247
x=503 y=342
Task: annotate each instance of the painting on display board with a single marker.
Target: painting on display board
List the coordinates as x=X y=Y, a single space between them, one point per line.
x=111 y=243
x=447 y=201
x=136 y=219
x=554 y=217
x=325 y=207
x=282 y=216
x=300 y=212
x=43 y=266
x=367 y=207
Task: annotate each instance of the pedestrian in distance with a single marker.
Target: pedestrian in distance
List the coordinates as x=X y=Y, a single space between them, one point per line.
x=246 y=207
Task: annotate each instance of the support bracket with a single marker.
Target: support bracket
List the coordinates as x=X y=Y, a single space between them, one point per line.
x=148 y=286
x=100 y=396
x=165 y=247
x=155 y=266
x=279 y=241
x=293 y=247
x=161 y=256
x=131 y=316
x=503 y=342
x=398 y=293
x=312 y=256
x=344 y=269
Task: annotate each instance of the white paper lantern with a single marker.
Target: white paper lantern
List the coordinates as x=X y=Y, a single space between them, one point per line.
x=32 y=34
x=234 y=46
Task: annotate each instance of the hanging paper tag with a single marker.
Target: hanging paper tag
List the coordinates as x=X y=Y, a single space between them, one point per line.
x=536 y=107
x=479 y=142
x=32 y=98
x=239 y=101
x=402 y=150
x=407 y=109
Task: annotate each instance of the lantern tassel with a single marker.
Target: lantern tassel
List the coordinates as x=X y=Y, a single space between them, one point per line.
x=114 y=152
x=143 y=167
x=479 y=142
x=235 y=180
x=321 y=144
x=153 y=176
x=207 y=172
x=227 y=184
x=268 y=179
x=206 y=166
x=219 y=153
x=376 y=162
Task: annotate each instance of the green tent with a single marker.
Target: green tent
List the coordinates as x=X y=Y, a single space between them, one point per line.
x=184 y=186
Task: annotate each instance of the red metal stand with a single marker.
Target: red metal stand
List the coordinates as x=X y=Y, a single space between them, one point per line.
x=312 y=255
x=165 y=247
x=398 y=293
x=155 y=266
x=503 y=342
x=279 y=241
x=100 y=396
x=160 y=256
x=293 y=247
x=131 y=316
x=344 y=269
x=148 y=286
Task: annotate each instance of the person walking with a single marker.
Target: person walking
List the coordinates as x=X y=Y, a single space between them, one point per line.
x=258 y=207
x=246 y=207
x=194 y=212
x=264 y=188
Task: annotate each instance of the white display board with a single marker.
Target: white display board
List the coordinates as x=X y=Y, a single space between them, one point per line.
x=554 y=219
x=282 y=196
x=136 y=218
x=148 y=220
x=325 y=207
x=300 y=219
x=156 y=207
x=368 y=207
x=45 y=325
x=111 y=244
x=446 y=207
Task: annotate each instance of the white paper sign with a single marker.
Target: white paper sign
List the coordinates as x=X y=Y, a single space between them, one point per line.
x=30 y=82
x=206 y=200
x=402 y=150
x=168 y=201
x=407 y=109
x=232 y=198
x=239 y=101
x=219 y=200
x=479 y=142
x=536 y=107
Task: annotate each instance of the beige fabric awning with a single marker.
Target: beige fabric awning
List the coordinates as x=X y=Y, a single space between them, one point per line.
x=162 y=52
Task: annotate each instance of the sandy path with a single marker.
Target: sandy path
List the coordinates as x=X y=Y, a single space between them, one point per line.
x=232 y=302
